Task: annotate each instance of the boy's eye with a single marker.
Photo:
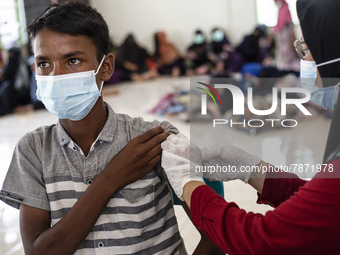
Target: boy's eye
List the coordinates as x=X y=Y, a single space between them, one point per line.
x=43 y=65
x=74 y=61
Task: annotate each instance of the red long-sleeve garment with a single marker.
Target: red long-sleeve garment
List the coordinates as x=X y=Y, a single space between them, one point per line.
x=306 y=219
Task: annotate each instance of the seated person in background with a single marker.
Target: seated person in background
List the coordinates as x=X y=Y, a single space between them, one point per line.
x=167 y=57
x=196 y=59
x=92 y=183
x=250 y=48
x=14 y=82
x=134 y=62
x=254 y=48
x=218 y=49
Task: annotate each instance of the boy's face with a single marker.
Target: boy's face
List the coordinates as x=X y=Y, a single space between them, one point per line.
x=57 y=53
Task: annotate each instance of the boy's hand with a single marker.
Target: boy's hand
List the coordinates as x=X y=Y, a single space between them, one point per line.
x=138 y=157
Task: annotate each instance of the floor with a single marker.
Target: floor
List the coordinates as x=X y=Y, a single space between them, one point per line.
x=282 y=146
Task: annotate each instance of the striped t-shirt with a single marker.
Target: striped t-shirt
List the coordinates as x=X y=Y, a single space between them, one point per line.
x=50 y=172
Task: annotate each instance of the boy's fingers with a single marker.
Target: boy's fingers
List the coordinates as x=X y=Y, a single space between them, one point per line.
x=151 y=133
x=154 y=152
x=154 y=161
x=157 y=140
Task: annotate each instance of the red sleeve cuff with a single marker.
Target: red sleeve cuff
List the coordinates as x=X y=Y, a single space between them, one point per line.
x=201 y=196
x=278 y=187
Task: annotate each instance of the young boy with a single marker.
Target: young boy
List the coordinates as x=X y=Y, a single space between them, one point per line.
x=92 y=183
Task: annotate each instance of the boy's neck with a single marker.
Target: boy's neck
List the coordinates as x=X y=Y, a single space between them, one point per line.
x=86 y=131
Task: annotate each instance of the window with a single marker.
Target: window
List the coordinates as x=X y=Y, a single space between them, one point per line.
x=12 y=23
x=267 y=12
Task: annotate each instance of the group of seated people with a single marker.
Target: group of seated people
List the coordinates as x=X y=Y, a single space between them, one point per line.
x=216 y=57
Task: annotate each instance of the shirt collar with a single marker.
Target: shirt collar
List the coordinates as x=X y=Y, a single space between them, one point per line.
x=106 y=135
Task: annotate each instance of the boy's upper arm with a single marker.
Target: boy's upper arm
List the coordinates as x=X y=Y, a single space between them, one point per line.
x=205 y=246
x=24 y=183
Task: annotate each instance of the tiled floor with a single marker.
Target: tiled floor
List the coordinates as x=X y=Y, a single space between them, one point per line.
x=137 y=100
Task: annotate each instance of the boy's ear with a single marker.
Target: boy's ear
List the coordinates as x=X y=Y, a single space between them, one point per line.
x=108 y=67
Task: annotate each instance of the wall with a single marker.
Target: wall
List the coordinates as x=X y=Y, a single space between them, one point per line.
x=178 y=18
x=34 y=8
x=242 y=19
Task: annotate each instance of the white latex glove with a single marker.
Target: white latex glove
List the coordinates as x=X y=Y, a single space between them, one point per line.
x=227 y=155
x=179 y=161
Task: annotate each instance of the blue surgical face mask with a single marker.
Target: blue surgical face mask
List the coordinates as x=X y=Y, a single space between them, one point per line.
x=325 y=97
x=218 y=35
x=69 y=96
x=199 y=39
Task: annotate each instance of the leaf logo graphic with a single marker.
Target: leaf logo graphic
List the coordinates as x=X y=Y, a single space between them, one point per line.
x=208 y=92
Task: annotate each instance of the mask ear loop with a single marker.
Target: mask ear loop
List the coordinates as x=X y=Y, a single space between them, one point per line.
x=101 y=62
x=329 y=62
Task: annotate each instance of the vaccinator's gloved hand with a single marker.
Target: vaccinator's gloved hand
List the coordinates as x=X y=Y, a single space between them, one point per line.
x=237 y=163
x=179 y=160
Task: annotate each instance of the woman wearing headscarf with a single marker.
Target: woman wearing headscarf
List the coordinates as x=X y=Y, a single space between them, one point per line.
x=167 y=57
x=218 y=50
x=133 y=60
x=196 y=59
x=306 y=215
x=285 y=55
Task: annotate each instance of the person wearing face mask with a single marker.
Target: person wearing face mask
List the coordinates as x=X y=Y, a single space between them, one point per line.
x=92 y=183
x=250 y=47
x=306 y=215
x=196 y=60
x=218 y=49
x=219 y=41
x=310 y=78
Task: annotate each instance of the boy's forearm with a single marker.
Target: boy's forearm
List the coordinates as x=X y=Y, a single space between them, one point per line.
x=66 y=236
x=206 y=247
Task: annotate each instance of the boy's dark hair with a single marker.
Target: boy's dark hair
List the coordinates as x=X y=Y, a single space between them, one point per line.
x=75 y=19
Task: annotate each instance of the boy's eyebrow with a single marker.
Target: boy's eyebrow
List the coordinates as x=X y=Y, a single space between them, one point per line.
x=40 y=57
x=73 y=54
x=67 y=55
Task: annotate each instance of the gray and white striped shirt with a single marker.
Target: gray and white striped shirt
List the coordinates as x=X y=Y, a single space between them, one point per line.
x=49 y=171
